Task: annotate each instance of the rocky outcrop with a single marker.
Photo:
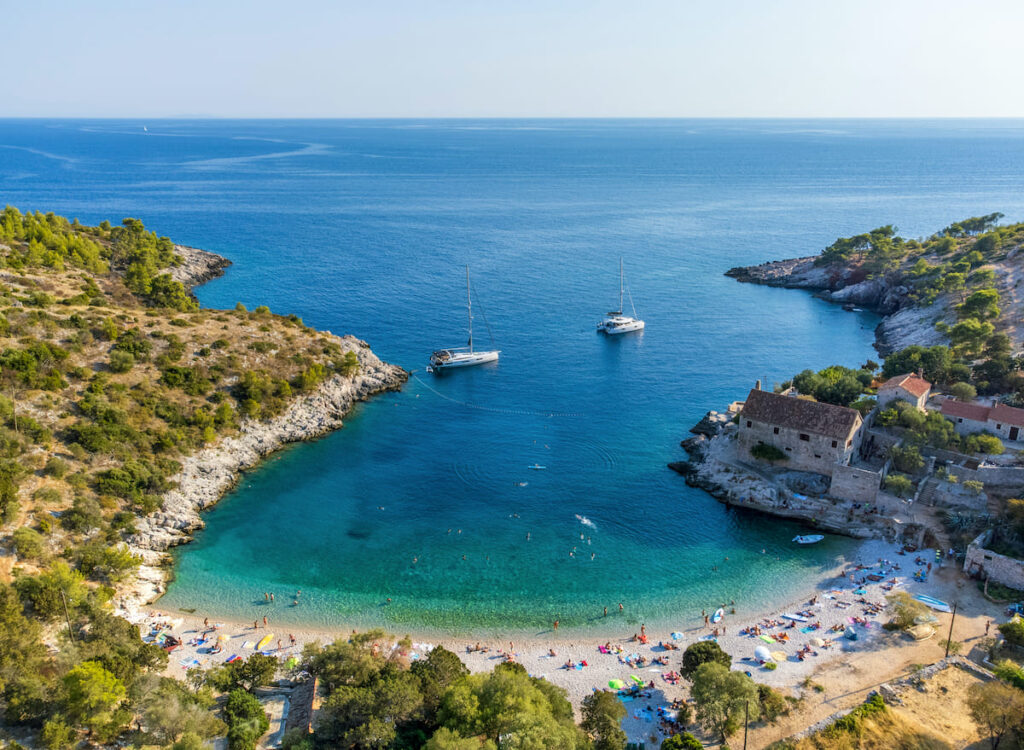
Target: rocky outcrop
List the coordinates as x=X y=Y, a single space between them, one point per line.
x=205 y=476
x=197 y=266
x=903 y=323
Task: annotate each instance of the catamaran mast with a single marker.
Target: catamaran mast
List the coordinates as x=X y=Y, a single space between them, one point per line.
x=469 y=308
x=620 y=284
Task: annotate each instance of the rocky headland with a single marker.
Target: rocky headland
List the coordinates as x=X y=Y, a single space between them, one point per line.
x=197 y=266
x=903 y=323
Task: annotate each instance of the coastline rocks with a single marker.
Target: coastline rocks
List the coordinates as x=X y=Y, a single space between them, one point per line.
x=711 y=424
x=197 y=266
x=206 y=475
x=797 y=273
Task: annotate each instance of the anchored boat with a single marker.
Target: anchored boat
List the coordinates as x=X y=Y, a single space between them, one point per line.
x=615 y=321
x=464 y=356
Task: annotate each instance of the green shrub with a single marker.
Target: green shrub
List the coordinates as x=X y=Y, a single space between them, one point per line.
x=1013 y=631
x=766 y=452
x=899 y=485
x=703 y=652
x=246 y=720
x=56 y=467
x=28 y=543
x=121 y=361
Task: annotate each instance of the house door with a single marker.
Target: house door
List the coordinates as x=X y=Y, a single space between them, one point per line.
x=1014 y=432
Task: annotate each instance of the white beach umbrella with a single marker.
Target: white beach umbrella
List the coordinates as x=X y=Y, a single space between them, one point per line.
x=817 y=642
x=762 y=653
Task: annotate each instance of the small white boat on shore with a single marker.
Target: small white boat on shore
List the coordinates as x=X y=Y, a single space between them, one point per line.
x=464 y=356
x=808 y=538
x=616 y=322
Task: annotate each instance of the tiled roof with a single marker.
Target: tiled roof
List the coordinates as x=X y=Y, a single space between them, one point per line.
x=977 y=412
x=800 y=414
x=1007 y=415
x=910 y=382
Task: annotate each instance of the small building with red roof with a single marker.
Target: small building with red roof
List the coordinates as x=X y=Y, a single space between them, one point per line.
x=1005 y=421
x=909 y=387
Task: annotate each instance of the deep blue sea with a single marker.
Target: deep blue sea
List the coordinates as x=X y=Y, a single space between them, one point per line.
x=364 y=227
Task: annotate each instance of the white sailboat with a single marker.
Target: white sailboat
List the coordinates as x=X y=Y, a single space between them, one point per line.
x=465 y=356
x=615 y=322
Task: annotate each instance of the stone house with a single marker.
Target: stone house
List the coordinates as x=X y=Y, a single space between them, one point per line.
x=1005 y=421
x=814 y=435
x=911 y=388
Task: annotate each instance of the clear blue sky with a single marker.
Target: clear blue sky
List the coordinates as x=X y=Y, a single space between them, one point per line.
x=466 y=58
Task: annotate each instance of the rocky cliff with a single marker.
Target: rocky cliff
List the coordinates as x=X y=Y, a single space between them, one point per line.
x=197 y=266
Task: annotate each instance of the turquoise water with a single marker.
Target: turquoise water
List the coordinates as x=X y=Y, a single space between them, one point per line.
x=364 y=226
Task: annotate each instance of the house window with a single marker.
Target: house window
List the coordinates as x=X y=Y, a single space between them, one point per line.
x=835 y=443
x=959 y=421
x=805 y=437
x=816 y=455
x=776 y=430
x=748 y=423
x=999 y=427
x=789 y=449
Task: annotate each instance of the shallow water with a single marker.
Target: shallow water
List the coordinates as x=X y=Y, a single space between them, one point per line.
x=364 y=226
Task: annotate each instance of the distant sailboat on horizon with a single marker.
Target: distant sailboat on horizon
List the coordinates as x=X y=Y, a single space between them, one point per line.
x=467 y=356
x=615 y=322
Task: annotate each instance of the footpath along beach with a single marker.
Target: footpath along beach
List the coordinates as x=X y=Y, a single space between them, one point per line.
x=839 y=602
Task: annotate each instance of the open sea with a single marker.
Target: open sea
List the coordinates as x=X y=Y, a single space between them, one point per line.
x=364 y=227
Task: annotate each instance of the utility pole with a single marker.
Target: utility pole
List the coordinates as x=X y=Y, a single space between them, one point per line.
x=949 y=640
x=746 y=721
x=66 y=615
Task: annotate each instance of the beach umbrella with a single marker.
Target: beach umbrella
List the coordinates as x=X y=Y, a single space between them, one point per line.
x=677 y=636
x=616 y=684
x=779 y=655
x=817 y=642
x=762 y=653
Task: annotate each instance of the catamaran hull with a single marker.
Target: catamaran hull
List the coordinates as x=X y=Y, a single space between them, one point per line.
x=637 y=325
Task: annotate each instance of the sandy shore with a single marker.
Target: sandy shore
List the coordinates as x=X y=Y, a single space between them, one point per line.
x=836 y=603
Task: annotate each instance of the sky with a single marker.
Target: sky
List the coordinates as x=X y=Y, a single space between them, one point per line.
x=512 y=58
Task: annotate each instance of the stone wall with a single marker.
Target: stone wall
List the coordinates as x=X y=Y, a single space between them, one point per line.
x=855 y=485
x=988 y=564
x=815 y=454
x=1007 y=477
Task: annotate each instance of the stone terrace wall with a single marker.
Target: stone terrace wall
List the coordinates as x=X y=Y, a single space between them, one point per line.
x=855 y=485
x=997 y=568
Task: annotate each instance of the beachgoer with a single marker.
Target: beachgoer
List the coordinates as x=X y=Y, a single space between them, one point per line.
x=620 y=606
x=556 y=625
x=271 y=597
x=643 y=629
x=389 y=600
x=988 y=624
x=255 y=625
x=279 y=646
x=264 y=621
x=266 y=596
x=291 y=638
x=605 y=612
x=206 y=622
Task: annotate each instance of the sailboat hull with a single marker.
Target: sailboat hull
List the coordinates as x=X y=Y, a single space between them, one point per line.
x=450 y=360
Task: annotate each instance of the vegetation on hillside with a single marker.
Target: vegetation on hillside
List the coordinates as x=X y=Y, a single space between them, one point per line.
x=110 y=375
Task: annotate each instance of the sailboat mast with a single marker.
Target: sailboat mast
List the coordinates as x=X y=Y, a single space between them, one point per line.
x=469 y=309
x=620 y=284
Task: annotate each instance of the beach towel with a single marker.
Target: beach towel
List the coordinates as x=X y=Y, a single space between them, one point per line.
x=677 y=636
x=233 y=657
x=248 y=644
x=860 y=591
x=807 y=630
x=767 y=638
x=602 y=649
x=709 y=638
x=579 y=667
x=625 y=697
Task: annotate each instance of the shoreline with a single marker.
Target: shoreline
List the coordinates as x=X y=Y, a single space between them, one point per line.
x=532 y=648
x=207 y=475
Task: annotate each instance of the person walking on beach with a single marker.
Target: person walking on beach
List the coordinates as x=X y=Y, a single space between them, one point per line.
x=271 y=597
x=988 y=624
x=643 y=629
x=279 y=646
x=264 y=621
x=707 y=621
x=255 y=625
x=291 y=638
x=556 y=626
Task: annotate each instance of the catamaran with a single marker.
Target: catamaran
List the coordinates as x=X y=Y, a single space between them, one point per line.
x=464 y=356
x=614 y=321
